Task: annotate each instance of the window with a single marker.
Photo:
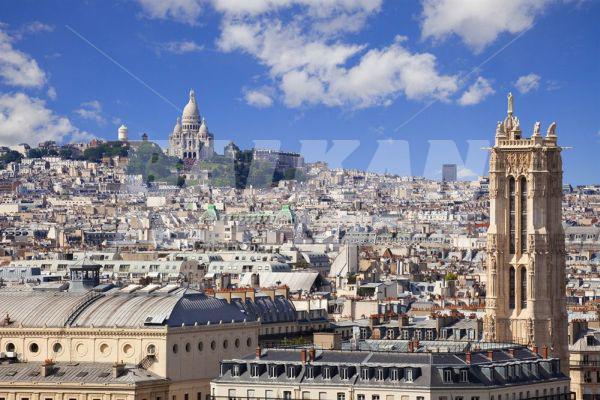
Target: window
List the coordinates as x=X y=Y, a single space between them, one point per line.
x=249 y=395
x=394 y=375
x=186 y=396
x=523 y=287
x=287 y=395
x=464 y=375
x=511 y=288
x=409 y=376
x=474 y=397
x=34 y=348
x=523 y=215
x=364 y=373
x=255 y=370
x=236 y=370
x=511 y=217
x=341 y=396
x=344 y=373
x=10 y=347
x=188 y=347
x=326 y=372
x=225 y=343
x=57 y=347
x=360 y=397
x=291 y=372
x=200 y=346
x=380 y=374
x=198 y=396
x=175 y=348
x=310 y=372
x=231 y=394
x=272 y=371
x=213 y=345
x=375 y=397
x=447 y=376
x=305 y=395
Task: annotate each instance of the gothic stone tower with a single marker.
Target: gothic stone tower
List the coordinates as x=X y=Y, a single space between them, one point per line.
x=525 y=301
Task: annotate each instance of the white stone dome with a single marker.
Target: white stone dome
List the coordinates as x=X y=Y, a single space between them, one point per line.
x=203 y=131
x=191 y=114
x=177 y=127
x=122 y=133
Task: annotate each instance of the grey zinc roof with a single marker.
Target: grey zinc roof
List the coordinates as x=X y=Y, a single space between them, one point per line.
x=116 y=309
x=79 y=373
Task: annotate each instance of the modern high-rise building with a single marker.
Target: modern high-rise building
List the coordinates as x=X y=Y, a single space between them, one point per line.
x=525 y=301
x=449 y=173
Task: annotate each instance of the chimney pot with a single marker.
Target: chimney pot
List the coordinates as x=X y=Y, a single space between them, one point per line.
x=544 y=351
x=312 y=354
x=511 y=352
x=303 y=356
x=47 y=368
x=468 y=357
x=258 y=352
x=535 y=350
x=490 y=355
x=118 y=369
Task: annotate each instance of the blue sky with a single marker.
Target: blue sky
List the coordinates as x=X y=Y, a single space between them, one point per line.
x=403 y=86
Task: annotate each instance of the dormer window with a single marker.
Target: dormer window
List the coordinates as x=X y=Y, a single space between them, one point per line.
x=310 y=372
x=409 y=375
x=273 y=371
x=394 y=374
x=291 y=372
x=344 y=373
x=364 y=374
x=236 y=370
x=255 y=370
x=380 y=374
x=464 y=375
x=447 y=376
x=327 y=373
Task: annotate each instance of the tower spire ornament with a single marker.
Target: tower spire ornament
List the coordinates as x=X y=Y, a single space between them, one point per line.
x=510 y=103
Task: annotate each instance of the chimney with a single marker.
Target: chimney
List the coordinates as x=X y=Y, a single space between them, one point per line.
x=411 y=346
x=47 y=367
x=468 y=357
x=258 y=352
x=511 y=352
x=303 y=356
x=534 y=349
x=312 y=354
x=544 y=351
x=118 y=369
x=490 y=355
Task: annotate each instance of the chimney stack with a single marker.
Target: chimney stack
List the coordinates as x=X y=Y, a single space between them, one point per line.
x=118 y=369
x=490 y=355
x=411 y=346
x=511 y=352
x=258 y=352
x=544 y=351
x=312 y=354
x=47 y=367
x=535 y=350
x=468 y=357
x=303 y=356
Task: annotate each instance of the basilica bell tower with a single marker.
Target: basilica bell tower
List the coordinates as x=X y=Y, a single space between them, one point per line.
x=525 y=301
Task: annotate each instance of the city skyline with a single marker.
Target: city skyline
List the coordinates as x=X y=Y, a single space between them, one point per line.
x=242 y=63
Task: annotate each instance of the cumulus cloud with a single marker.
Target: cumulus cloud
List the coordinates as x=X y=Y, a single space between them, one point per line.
x=36 y=27
x=258 y=98
x=312 y=69
x=527 y=83
x=178 y=47
x=51 y=92
x=477 y=92
x=91 y=110
x=478 y=23
x=25 y=119
x=186 y=11
x=18 y=68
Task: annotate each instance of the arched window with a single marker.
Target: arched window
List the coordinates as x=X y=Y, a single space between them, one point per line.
x=511 y=217
x=511 y=288
x=523 y=215
x=523 y=287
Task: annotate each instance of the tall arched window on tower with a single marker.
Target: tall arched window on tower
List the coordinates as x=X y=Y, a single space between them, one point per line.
x=523 y=215
x=511 y=217
x=511 y=287
x=523 y=287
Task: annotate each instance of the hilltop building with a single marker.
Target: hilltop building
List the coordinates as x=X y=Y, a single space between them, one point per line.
x=191 y=139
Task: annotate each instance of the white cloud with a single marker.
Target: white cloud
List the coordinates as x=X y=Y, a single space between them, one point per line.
x=186 y=11
x=527 y=83
x=35 y=27
x=314 y=69
x=51 y=92
x=91 y=110
x=25 y=119
x=18 y=68
x=477 y=92
x=179 y=47
x=478 y=23
x=258 y=98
